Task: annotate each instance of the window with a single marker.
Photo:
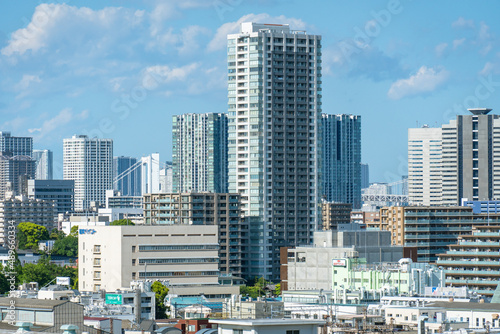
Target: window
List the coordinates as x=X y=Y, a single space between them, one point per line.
x=295 y=331
x=191 y=328
x=237 y=331
x=97 y=248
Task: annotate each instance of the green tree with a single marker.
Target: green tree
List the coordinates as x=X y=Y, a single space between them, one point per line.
x=44 y=272
x=56 y=234
x=122 y=222
x=30 y=234
x=67 y=246
x=277 y=290
x=161 y=292
x=74 y=231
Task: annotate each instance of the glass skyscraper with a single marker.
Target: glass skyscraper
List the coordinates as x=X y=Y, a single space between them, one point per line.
x=274 y=111
x=342 y=159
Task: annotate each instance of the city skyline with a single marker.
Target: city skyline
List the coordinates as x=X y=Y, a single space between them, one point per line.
x=406 y=64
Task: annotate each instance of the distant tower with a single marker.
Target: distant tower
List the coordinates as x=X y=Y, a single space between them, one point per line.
x=365 y=176
x=130 y=184
x=199 y=153
x=89 y=162
x=44 y=164
x=342 y=159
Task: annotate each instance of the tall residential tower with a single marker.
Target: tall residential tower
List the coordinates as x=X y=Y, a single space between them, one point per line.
x=44 y=164
x=89 y=162
x=274 y=84
x=199 y=153
x=342 y=159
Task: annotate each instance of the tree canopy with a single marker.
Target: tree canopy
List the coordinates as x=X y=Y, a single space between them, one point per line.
x=122 y=222
x=67 y=246
x=30 y=234
x=161 y=292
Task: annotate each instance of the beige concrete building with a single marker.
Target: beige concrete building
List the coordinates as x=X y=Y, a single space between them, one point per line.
x=110 y=257
x=334 y=214
x=218 y=209
x=369 y=218
x=392 y=219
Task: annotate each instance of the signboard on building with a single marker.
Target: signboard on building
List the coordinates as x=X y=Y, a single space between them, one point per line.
x=87 y=231
x=62 y=280
x=114 y=298
x=339 y=262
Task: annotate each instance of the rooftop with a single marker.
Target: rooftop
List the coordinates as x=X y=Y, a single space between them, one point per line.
x=480 y=111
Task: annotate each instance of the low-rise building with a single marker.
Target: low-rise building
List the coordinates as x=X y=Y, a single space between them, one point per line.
x=310 y=267
x=409 y=278
x=110 y=257
x=122 y=207
x=267 y=326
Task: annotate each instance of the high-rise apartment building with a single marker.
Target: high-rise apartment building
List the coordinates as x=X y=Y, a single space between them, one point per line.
x=274 y=111
x=12 y=146
x=44 y=164
x=457 y=161
x=341 y=162
x=199 y=152
x=14 y=171
x=424 y=166
x=130 y=183
x=89 y=162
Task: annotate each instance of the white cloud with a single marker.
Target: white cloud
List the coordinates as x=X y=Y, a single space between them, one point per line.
x=64 y=117
x=220 y=38
x=424 y=81
x=440 y=49
x=27 y=80
x=484 y=31
x=463 y=23
x=72 y=26
x=153 y=76
x=458 y=42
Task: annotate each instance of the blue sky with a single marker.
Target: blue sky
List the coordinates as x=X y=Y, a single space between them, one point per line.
x=121 y=69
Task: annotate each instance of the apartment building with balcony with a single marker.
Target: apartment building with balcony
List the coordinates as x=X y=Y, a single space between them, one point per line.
x=21 y=209
x=222 y=210
x=335 y=214
x=474 y=261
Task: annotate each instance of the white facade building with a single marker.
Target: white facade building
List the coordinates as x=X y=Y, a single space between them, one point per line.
x=424 y=166
x=274 y=100
x=89 y=162
x=110 y=257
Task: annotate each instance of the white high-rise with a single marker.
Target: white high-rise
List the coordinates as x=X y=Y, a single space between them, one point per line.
x=89 y=162
x=424 y=166
x=274 y=84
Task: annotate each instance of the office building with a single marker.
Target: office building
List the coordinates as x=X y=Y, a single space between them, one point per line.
x=222 y=210
x=12 y=146
x=483 y=206
x=456 y=161
x=473 y=261
x=44 y=164
x=122 y=207
x=335 y=214
x=88 y=162
x=199 y=153
x=365 y=176
x=21 y=209
x=61 y=192
x=274 y=95
x=310 y=267
x=126 y=178
x=341 y=162
x=110 y=257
